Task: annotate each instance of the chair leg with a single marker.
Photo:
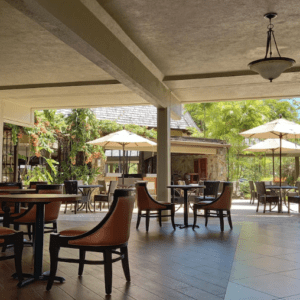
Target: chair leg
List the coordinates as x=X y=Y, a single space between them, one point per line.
x=100 y=206
x=265 y=204
x=18 y=248
x=229 y=219
x=206 y=217
x=159 y=217
x=257 y=206
x=125 y=263
x=288 y=206
x=173 y=217
x=147 y=219
x=221 y=220
x=55 y=226
x=81 y=261
x=66 y=206
x=54 y=250
x=29 y=231
x=75 y=211
x=195 y=217
x=107 y=271
x=138 y=219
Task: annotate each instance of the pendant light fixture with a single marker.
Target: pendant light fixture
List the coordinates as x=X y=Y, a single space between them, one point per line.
x=271 y=67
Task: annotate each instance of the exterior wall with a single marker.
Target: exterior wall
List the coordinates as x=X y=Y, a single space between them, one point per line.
x=216 y=164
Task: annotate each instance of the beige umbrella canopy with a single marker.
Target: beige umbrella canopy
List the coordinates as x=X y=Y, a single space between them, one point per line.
x=124 y=140
x=273 y=145
x=280 y=128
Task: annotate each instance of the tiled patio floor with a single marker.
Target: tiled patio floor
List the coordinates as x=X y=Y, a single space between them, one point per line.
x=258 y=259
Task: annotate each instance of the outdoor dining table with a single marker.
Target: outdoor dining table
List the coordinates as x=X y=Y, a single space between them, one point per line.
x=185 y=188
x=39 y=200
x=280 y=188
x=86 y=191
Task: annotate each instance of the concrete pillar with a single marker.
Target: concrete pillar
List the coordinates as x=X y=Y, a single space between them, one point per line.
x=297 y=168
x=1 y=138
x=163 y=155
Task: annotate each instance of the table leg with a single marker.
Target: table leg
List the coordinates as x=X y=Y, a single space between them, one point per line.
x=186 y=211
x=38 y=250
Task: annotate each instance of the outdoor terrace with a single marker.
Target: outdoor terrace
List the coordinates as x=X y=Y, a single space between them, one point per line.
x=258 y=259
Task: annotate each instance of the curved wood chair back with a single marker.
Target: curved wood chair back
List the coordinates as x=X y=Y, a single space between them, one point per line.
x=33 y=184
x=10 y=185
x=71 y=187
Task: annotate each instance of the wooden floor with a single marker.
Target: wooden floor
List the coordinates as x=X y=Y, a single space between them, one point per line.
x=182 y=264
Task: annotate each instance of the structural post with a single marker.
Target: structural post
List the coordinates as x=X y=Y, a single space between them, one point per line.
x=163 y=154
x=296 y=167
x=1 y=138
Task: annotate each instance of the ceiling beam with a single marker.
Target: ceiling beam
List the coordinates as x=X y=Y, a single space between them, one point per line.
x=73 y=23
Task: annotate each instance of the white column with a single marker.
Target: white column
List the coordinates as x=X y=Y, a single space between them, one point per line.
x=163 y=155
x=1 y=137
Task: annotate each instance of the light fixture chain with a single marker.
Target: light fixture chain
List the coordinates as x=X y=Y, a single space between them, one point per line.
x=275 y=43
x=268 y=43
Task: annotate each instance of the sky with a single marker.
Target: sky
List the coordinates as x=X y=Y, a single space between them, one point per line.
x=291 y=101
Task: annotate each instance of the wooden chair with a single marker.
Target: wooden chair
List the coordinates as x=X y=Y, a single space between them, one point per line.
x=32 y=184
x=264 y=198
x=294 y=197
x=111 y=234
x=148 y=204
x=9 y=186
x=218 y=208
x=106 y=197
x=11 y=237
x=253 y=193
x=51 y=211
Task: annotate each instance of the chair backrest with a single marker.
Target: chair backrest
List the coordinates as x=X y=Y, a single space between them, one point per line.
x=49 y=188
x=114 y=229
x=211 y=188
x=251 y=184
x=33 y=184
x=260 y=188
x=10 y=185
x=224 y=200
x=71 y=187
x=51 y=209
x=102 y=189
x=297 y=184
x=112 y=186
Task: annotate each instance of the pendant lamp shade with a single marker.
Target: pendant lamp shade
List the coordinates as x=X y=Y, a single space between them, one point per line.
x=271 y=68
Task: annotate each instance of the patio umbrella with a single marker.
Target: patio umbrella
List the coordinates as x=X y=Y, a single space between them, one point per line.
x=124 y=140
x=280 y=128
x=273 y=145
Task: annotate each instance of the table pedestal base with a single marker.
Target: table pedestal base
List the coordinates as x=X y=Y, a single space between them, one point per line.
x=182 y=226
x=31 y=278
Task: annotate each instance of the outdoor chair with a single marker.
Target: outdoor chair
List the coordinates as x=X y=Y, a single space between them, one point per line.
x=177 y=196
x=146 y=203
x=265 y=198
x=109 y=236
x=219 y=208
x=253 y=193
x=294 y=197
x=9 y=186
x=32 y=184
x=106 y=197
x=51 y=212
x=210 y=193
x=71 y=188
x=11 y=237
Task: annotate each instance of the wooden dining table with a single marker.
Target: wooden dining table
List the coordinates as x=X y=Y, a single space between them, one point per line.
x=39 y=200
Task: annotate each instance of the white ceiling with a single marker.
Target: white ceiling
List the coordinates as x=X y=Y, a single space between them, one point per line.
x=92 y=53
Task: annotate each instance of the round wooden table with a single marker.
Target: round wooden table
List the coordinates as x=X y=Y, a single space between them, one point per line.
x=39 y=200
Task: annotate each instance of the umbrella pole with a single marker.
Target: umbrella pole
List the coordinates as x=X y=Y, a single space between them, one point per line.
x=123 y=164
x=273 y=166
x=280 y=209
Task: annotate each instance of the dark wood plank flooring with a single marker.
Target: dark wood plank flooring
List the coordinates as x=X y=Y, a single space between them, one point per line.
x=164 y=264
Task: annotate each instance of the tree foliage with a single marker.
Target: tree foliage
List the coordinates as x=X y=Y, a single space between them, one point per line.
x=225 y=120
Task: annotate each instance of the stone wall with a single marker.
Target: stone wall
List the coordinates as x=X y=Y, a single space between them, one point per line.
x=216 y=164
